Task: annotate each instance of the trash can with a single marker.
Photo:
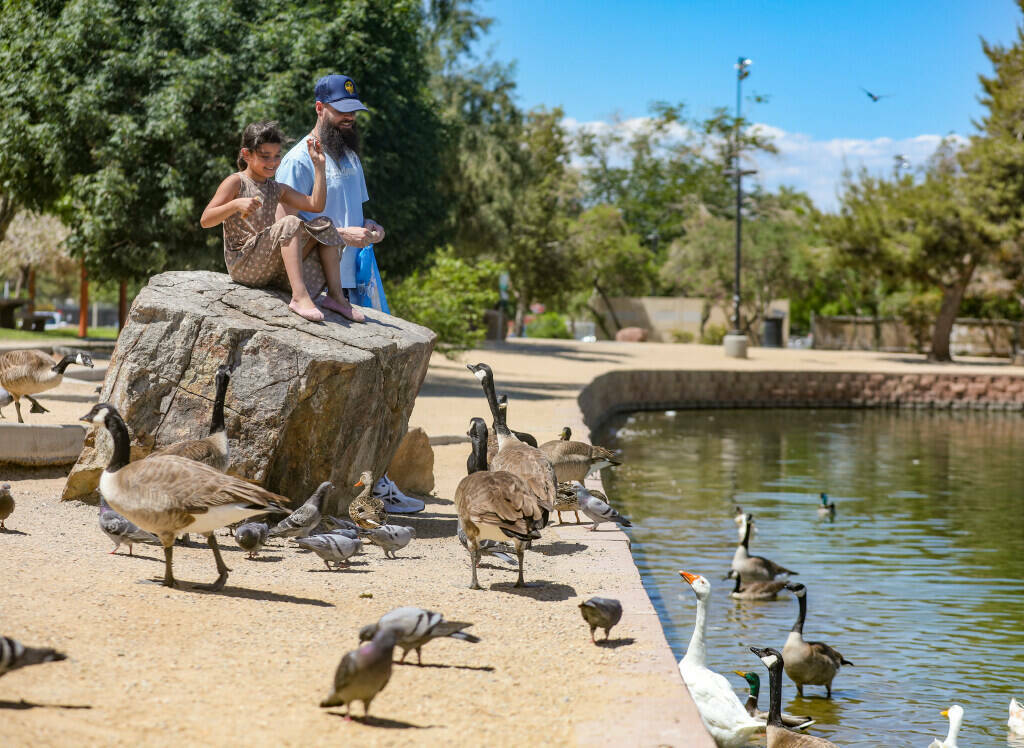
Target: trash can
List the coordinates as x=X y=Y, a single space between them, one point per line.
x=771 y=332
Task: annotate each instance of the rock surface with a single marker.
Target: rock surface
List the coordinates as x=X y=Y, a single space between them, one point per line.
x=412 y=467
x=631 y=335
x=307 y=402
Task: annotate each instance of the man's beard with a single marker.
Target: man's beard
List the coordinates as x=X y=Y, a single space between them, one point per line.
x=337 y=140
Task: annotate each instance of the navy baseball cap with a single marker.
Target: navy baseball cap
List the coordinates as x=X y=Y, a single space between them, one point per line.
x=340 y=92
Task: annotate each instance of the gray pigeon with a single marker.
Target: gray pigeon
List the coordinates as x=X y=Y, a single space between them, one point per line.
x=363 y=673
x=340 y=526
x=251 y=537
x=5 y=399
x=415 y=627
x=501 y=551
x=601 y=612
x=596 y=509
x=14 y=654
x=120 y=530
x=331 y=547
x=301 y=522
x=390 y=537
x=6 y=504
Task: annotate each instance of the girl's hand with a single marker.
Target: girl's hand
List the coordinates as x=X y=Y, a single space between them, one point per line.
x=316 y=152
x=247 y=205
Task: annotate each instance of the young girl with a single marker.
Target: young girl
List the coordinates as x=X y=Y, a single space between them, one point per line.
x=260 y=252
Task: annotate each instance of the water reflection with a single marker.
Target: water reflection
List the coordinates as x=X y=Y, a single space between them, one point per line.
x=918 y=580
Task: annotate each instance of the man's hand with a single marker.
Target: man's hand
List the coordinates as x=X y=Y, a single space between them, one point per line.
x=355 y=236
x=375 y=229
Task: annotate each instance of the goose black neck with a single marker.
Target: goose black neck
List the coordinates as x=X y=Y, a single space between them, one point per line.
x=746 y=534
x=775 y=693
x=217 y=421
x=63 y=364
x=737 y=587
x=122 y=443
x=799 y=625
x=478 y=457
x=500 y=426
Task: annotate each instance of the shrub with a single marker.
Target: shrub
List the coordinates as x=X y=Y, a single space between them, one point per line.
x=450 y=297
x=548 y=325
x=683 y=336
x=713 y=335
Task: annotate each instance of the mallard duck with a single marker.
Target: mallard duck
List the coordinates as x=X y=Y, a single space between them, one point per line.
x=754 y=590
x=780 y=736
x=26 y=373
x=956 y=718
x=809 y=663
x=212 y=450
x=366 y=510
x=1016 y=720
x=719 y=706
x=827 y=508
x=754 y=568
x=754 y=684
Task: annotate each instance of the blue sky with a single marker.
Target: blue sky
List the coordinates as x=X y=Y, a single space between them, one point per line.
x=600 y=60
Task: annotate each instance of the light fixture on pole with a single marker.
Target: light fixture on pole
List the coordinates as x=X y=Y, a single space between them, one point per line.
x=736 y=341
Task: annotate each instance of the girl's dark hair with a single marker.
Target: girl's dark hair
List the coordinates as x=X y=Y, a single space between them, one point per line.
x=256 y=135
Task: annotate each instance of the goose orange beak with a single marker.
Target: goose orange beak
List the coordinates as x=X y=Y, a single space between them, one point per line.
x=358 y=484
x=691 y=578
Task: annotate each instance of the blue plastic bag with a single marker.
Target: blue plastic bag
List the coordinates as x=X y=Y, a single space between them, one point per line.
x=369 y=289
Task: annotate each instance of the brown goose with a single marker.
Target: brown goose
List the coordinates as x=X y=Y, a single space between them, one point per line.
x=492 y=436
x=169 y=495
x=513 y=456
x=26 y=373
x=213 y=450
x=754 y=590
x=575 y=461
x=809 y=663
x=753 y=568
x=780 y=736
x=497 y=506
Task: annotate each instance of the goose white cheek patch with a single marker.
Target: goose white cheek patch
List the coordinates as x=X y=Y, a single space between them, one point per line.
x=480 y=374
x=769 y=660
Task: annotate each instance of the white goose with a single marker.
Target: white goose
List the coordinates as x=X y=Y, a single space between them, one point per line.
x=719 y=706
x=1016 y=720
x=956 y=718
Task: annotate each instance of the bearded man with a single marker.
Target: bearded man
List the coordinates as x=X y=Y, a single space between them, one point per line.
x=336 y=105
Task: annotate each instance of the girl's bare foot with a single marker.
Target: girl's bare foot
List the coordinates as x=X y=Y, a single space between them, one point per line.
x=306 y=310
x=343 y=308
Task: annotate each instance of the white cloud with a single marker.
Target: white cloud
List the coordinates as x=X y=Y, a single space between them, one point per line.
x=809 y=165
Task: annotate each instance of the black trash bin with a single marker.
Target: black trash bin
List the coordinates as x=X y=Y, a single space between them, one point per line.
x=771 y=332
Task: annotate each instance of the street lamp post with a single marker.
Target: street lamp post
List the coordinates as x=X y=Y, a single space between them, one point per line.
x=736 y=341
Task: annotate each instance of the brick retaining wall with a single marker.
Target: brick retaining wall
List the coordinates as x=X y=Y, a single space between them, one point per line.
x=619 y=391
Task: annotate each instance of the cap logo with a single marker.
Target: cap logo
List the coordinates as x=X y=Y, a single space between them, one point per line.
x=349 y=87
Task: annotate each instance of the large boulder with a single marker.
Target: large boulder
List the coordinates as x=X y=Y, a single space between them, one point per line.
x=307 y=402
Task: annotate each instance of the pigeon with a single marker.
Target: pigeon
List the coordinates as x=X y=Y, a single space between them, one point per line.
x=390 y=537
x=603 y=612
x=14 y=654
x=331 y=547
x=6 y=398
x=300 y=523
x=251 y=536
x=120 y=530
x=596 y=509
x=333 y=523
x=363 y=673
x=6 y=504
x=501 y=551
x=416 y=627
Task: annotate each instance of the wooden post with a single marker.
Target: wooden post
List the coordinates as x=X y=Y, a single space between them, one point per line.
x=122 y=305
x=83 y=302
x=30 y=308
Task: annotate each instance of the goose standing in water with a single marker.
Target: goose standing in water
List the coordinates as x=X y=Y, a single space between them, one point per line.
x=827 y=508
x=754 y=568
x=212 y=450
x=809 y=663
x=780 y=736
x=719 y=706
x=755 y=590
x=754 y=684
x=168 y=495
x=956 y=718
x=27 y=373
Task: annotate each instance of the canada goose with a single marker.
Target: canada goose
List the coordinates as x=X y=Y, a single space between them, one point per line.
x=14 y=655
x=492 y=436
x=956 y=718
x=810 y=663
x=719 y=706
x=6 y=504
x=754 y=590
x=169 y=495
x=827 y=508
x=754 y=684
x=213 y=450
x=477 y=433
x=754 y=568
x=25 y=373
x=495 y=506
x=780 y=736
x=575 y=461
x=366 y=510
x=513 y=456
x=1016 y=720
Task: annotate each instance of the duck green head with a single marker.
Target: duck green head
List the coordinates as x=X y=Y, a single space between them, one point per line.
x=753 y=680
x=824 y=499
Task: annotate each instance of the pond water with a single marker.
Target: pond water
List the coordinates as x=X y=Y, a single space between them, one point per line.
x=919 y=580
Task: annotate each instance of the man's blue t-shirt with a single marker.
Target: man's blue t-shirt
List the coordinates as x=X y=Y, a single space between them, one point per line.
x=346 y=193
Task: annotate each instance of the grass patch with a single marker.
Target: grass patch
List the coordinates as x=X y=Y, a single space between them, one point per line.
x=56 y=333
